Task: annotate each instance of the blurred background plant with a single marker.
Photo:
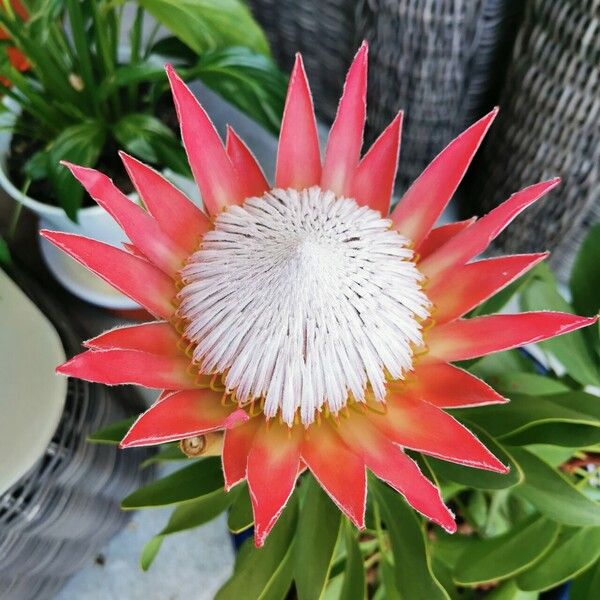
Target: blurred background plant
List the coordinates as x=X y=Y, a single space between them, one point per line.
x=519 y=535
x=77 y=93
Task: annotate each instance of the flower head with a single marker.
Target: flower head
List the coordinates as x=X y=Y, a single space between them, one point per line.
x=312 y=327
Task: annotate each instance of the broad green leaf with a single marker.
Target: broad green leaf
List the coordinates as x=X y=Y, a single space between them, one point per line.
x=197 y=512
x=447 y=547
x=412 y=563
x=586 y=586
x=552 y=493
x=202 y=477
x=571 y=349
x=240 y=515
x=186 y=516
x=574 y=552
x=81 y=144
x=249 y=81
x=506 y=555
x=265 y=573
x=526 y=411
x=531 y=384
x=478 y=478
x=585 y=275
x=149 y=551
x=354 y=573
x=509 y=361
x=112 y=434
x=151 y=140
x=314 y=553
x=386 y=571
x=334 y=588
x=509 y=591
x=143 y=72
x=568 y=435
x=209 y=24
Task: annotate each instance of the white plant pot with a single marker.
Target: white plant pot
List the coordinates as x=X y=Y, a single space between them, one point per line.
x=93 y=222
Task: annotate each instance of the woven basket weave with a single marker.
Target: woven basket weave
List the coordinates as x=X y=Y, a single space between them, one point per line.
x=57 y=516
x=549 y=125
x=324 y=31
x=439 y=61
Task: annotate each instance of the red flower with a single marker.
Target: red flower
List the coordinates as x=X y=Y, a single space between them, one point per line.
x=312 y=328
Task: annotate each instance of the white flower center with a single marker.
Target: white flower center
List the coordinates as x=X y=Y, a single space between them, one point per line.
x=303 y=299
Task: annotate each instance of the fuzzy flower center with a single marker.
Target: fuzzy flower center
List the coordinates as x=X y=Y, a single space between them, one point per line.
x=304 y=301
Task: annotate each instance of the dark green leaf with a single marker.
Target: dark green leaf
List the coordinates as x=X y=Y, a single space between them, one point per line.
x=173 y=48
x=552 y=493
x=167 y=452
x=585 y=275
x=81 y=144
x=571 y=349
x=477 y=478
x=145 y=72
x=249 y=81
x=506 y=555
x=198 y=479
x=354 y=573
x=525 y=411
x=112 y=434
x=389 y=580
x=265 y=573
x=412 y=563
x=574 y=552
x=209 y=24
x=314 y=553
x=240 y=513
x=151 y=140
x=586 y=586
x=4 y=252
x=568 y=435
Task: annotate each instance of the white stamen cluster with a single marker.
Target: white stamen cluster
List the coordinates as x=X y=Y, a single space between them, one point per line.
x=301 y=299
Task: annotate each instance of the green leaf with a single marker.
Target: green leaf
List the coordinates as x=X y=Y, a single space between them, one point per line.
x=586 y=586
x=412 y=563
x=209 y=24
x=265 y=573
x=354 y=573
x=513 y=382
x=4 y=252
x=525 y=411
x=386 y=570
x=509 y=591
x=168 y=452
x=552 y=493
x=506 y=555
x=249 y=81
x=81 y=144
x=202 y=477
x=112 y=434
x=144 y=72
x=240 y=515
x=571 y=349
x=574 y=552
x=151 y=140
x=149 y=551
x=585 y=275
x=477 y=478
x=314 y=554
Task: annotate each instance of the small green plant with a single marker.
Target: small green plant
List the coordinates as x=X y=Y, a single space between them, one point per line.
x=93 y=87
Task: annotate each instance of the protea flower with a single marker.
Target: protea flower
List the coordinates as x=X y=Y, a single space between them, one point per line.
x=306 y=321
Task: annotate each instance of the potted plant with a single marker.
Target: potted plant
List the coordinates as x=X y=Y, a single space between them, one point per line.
x=95 y=84
x=285 y=380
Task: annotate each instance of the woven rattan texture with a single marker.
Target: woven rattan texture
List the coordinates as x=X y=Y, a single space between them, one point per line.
x=67 y=507
x=549 y=125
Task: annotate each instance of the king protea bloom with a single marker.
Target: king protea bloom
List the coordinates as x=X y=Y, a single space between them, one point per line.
x=313 y=326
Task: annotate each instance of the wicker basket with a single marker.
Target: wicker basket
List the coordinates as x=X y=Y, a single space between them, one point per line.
x=67 y=506
x=549 y=125
x=324 y=31
x=439 y=61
